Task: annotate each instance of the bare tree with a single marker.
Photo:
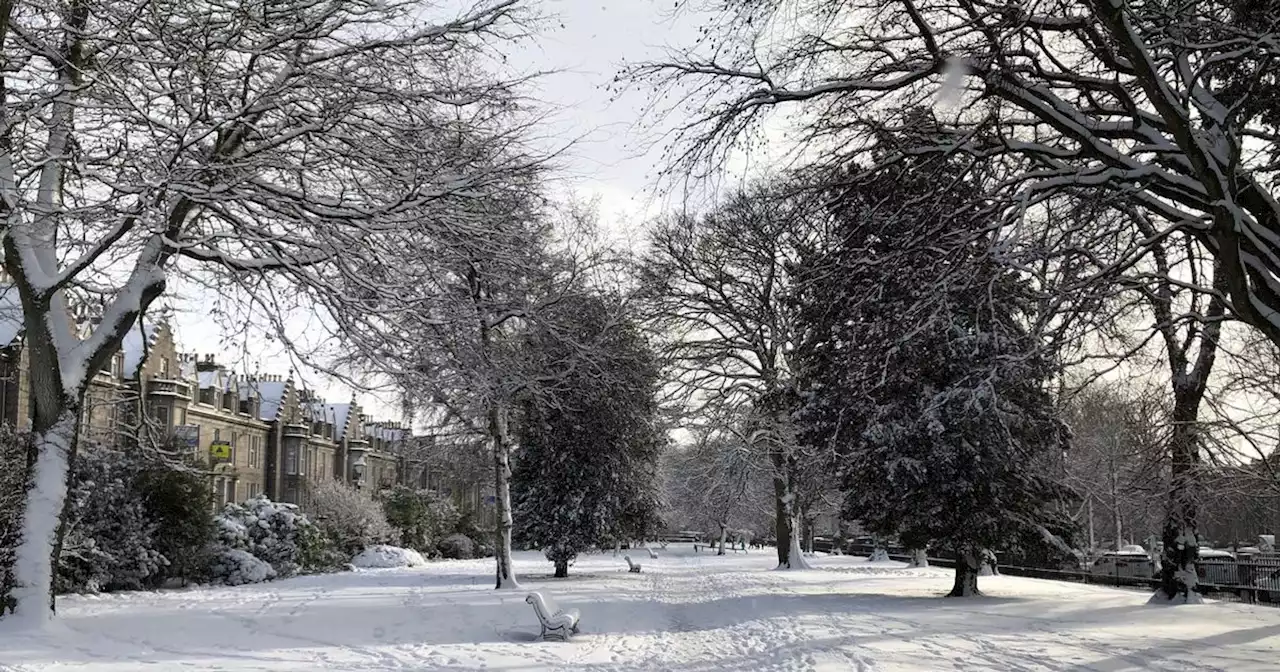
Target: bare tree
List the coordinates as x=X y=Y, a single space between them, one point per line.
x=1171 y=109
x=717 y=287
x=146 y=139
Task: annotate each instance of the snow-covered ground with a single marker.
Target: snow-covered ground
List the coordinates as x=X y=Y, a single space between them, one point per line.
x=685 y=612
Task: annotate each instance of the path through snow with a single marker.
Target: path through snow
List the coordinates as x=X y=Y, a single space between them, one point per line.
x=687 y=612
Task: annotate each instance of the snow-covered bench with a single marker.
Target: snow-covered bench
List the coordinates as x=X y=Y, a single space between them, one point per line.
x=555 y=621
x=634 y=568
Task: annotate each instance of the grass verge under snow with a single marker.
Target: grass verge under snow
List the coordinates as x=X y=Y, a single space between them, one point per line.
x=686 y=612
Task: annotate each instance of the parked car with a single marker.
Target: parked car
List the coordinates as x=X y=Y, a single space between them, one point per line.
x=1131 y=562
x=1217 y=568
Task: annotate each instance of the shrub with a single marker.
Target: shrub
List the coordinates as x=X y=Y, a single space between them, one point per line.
x=420 y=517
x=275 y=532
x=13 y=487
x=235 y=567
x=110 y=538
x=350 y=518
x=381 y=557
x=176 y=497
x=457 y=547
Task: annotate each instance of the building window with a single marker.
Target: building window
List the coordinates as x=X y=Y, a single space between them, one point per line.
x=181 y=415
x=161 y=415
x=217 y=435
x=291 y=461
x=206 y=396
x=164 y=366
x=253 y=451
x=254 y=490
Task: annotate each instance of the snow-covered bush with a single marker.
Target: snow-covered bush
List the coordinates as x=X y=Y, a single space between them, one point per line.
x=235 y=567
x=420 y=517
x=457 y=547
x=349 y=517
x=382 y=557
x=12 y=488
x=110 y=538
x=275 y=532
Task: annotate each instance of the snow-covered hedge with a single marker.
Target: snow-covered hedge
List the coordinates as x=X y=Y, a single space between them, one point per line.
x=274 y=532
x=382 y=557
x=235 y=567
x=351 y=518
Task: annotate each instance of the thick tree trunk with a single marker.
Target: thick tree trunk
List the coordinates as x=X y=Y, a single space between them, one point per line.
x=967 y=565
x=1180 y=534
x=505 y=571
x=562 y=569
x=724 y=533
x=919 y=557
x=52 y=448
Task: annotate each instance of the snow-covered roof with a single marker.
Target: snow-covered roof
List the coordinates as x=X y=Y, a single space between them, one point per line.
x=382 y=431
x=271 y=395
x=340 y=414
x=318 y=411
x=207 y=379
x=136 y=344
x=10 y=314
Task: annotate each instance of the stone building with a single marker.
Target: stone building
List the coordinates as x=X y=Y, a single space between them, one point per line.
x=255 y=434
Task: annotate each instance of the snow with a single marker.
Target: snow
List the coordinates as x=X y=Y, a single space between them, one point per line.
x=136 y=344
x=236 y=567
x=271 y=397
x=340 y=413
x=685 y=612
x=384 y=557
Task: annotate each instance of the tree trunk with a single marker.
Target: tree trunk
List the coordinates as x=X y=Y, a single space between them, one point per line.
x=968 y=562
x=50 y=454
x=919 y=557
x=1180 y=534
x=506 y=578
x=724 y=532
x=562 y=569
x=782 y=518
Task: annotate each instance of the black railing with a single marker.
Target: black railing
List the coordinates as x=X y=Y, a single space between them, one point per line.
x=1255 y=580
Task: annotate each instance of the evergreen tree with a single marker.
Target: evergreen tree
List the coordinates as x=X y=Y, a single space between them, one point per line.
x=918 y=367
x=589 y=443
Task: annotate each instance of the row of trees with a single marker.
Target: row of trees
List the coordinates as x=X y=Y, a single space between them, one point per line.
x=288 y=158
x=1097 y=189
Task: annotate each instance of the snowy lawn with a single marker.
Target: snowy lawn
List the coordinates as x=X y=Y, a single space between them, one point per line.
x=686 y=612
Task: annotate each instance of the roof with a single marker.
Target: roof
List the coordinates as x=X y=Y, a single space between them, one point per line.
x=271 y=393
x=11 y=322
x=136 y=344
x=341 y=412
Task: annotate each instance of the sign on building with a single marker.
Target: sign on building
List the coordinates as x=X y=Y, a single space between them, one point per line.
x=219 y=451
x=187 y=435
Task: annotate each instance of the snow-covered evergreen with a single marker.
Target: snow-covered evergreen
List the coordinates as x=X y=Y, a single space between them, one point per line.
x=928 y=384
x=587 y=468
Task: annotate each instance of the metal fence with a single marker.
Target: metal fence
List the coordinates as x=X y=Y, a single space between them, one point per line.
x=1255 y=580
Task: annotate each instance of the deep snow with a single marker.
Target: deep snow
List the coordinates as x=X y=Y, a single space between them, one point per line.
x=686 y=612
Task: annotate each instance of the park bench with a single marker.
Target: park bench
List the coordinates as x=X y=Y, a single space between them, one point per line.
x=634 y=568
x=555 y=621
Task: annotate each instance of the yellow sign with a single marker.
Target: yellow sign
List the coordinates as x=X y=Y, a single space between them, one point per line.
x=220 y=451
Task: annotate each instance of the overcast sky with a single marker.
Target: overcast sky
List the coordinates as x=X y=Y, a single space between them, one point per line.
x=586 y=41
